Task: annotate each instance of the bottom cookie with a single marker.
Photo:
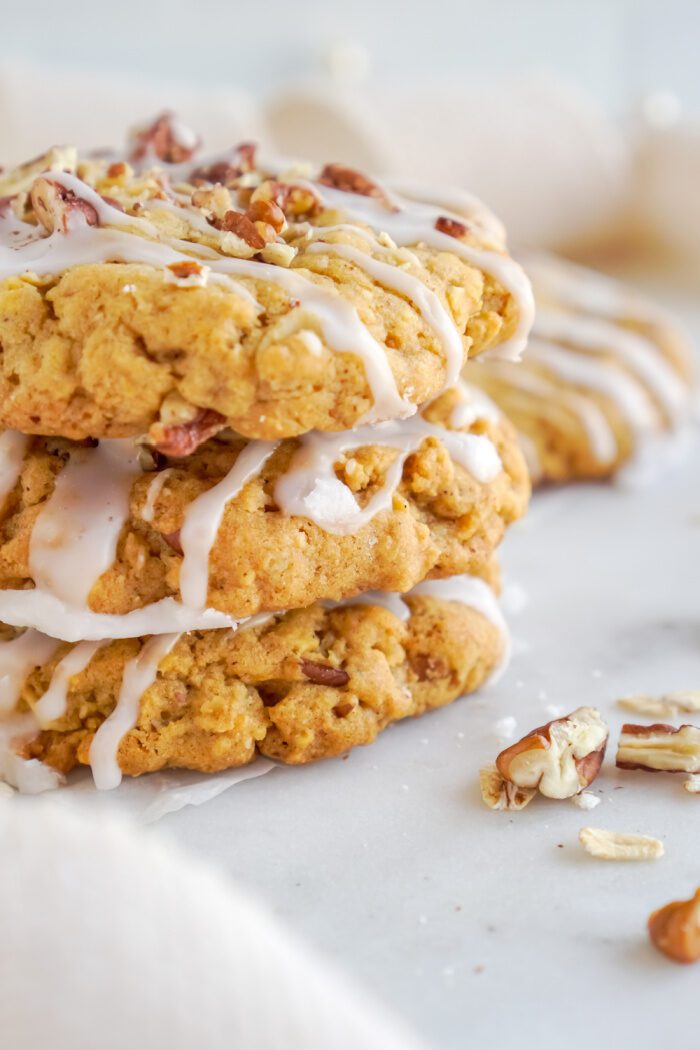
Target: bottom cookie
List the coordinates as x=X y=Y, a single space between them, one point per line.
x=296 y=687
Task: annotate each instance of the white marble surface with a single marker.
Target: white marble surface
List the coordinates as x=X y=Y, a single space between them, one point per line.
x=487 y=929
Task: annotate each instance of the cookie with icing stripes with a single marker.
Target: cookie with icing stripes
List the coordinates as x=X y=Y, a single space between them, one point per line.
x=165 y=293
x=607 y=384
x=296 y=687
x=109 y=538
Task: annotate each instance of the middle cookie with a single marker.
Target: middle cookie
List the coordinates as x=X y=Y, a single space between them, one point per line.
x=247 y=527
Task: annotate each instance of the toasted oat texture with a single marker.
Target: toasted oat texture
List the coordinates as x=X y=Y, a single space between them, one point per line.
x=221 y=697
x=606 y=383
x=112 y=337
x=441 y=522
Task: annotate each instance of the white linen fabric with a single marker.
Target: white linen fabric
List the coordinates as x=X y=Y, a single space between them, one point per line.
x=112 y=938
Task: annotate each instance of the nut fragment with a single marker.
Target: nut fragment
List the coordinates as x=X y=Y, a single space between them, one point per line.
x=226 y=172
x=182 y=439
x=297 y=202
x=186 y=268
x=669 y=705
x=659 y=747
x=615 y=845
x=321 y=674
x=268 y=212
x=559 y=759
x=55 y=206
x=675 y=929
x=692 y=784
x=452 y=227
x=340 y=177
x=239 y=224
x=498 y=793
x=167 y=139
x=586 y=800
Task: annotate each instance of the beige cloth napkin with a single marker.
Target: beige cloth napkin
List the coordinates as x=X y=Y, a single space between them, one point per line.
x=112 y=938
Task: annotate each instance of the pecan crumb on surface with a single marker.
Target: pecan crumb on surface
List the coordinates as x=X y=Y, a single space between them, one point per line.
x=675 y=929
x=659 y=748
x=558 y=759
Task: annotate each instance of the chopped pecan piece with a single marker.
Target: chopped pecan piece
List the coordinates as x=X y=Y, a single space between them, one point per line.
x=182 y=439
x=118 y=170
x=498 y=793
x=340 y=177
x=227 y=171
x=297 y=202
x=55 y=206
x=167 y=139
x=173 y=540
x=560 y=758
x=675 y=929
x=659 y=748
x=267 y=212
x=321 y=674
x=452 y=227
x=186 y=268
x=243 y=227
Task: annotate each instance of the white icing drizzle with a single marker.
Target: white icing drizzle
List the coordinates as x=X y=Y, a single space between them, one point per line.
x=153 y=494
x=310 y=488
x=139 y=674
x=588 y=291
x=341 y=327
x=414 y=223
x=532 y=458
x=389 y=600
x=13 y=447
x=107 y=214
x=18 y=658
x=639 y=354
x=457 y=201
x=74 y=539
x=52 y=704
x=475 y=405
x=203 y=518
x=426 y=301
x=467 y=590
x=28 y=775
x=476 y=594
x=39 y=609
x=601 y=436
x=588 y=371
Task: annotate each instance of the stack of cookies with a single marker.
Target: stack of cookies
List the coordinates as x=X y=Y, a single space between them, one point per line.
x=246 y=503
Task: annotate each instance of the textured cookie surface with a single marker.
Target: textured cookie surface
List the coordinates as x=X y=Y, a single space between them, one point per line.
x=314 y=518
x=303 y=686
x=606 y=382
x=168 y=292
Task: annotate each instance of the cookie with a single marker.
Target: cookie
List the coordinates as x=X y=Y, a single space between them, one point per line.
x=110 y=540
x=607 y=382
x=175 y=295
x=298 y=687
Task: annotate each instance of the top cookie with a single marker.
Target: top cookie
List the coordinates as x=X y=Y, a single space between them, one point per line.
x=175 y=296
